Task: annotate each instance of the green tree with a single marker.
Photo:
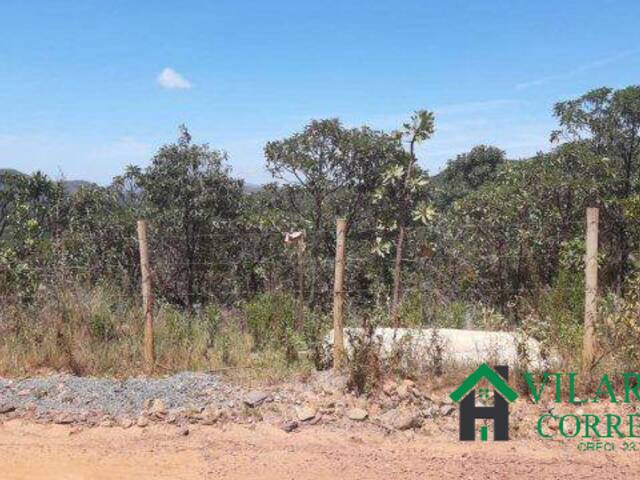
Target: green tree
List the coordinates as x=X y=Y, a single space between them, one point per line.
x=606 y=123
x=191 y=199
x=420 y=128
x=468 y=172
x=330 y=171
x=100 y=239
x=32 y=221
x=505 y=239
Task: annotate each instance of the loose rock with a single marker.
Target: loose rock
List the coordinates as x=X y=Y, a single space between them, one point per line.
x=403 y=391
x=357 y=414
x=389 y=387
x=290 y=426
x=63 y=419
x=209 y=416
x=142 y=422
x=409 y=383
x=126 y=423
x=306 y=413
x=429 y=412
x=401 y=419
x=446 y=410
x=315 y=420
x=158 y=408
x=107 y=423
x=255 y=398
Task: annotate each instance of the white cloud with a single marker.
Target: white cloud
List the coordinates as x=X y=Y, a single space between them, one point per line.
x=594 y=65
x=534 y=83
x=170 y=79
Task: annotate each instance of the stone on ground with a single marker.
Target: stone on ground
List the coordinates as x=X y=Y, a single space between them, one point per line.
x=255 y=398
x=63 y=418
x=158 y=408
x=357 y=414
x=401 y=419
x=447 y=410
x=209 y=416
x=290 y=426
x=126 y=423
x=306 y=413
x=389 y=387
x=142 y=422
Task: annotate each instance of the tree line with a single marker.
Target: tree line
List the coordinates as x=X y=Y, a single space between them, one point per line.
x=486 y=230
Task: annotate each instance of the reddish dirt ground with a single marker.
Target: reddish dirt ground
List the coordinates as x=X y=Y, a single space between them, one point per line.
x=53 y=452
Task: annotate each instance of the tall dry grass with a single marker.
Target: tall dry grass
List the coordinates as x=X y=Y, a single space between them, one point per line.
x=98 y=331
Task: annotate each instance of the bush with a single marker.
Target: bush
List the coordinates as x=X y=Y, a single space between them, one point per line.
x=271 y=322
x=315 y=327
x=411 y=311
x=452 y=315
x=557 y=318
x=618 y=332
x=365 y=361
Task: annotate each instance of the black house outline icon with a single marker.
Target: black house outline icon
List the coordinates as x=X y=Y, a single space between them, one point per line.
x=465 y=394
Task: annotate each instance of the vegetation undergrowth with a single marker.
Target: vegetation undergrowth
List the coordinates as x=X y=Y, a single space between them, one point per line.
x=98 y=331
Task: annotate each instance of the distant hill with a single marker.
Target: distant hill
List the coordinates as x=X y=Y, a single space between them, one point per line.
x=251 y=187
x=4 y=171
x=71 y=186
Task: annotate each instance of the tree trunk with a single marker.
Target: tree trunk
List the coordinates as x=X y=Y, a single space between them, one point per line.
x=397 y=272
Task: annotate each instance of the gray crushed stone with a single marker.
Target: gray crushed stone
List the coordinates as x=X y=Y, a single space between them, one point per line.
x=118 y=398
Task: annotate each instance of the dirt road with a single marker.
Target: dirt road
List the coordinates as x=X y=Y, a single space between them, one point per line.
x=53 y=452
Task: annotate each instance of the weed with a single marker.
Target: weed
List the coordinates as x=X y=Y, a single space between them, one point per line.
x=365 y=360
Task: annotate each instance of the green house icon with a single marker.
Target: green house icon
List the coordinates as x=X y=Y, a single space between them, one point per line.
x=465 y=395
x=484 y=371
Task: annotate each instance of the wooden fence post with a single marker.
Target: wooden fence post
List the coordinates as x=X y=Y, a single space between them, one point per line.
x=338 y=295
x=591 y=288
x=147 y=298
x=397 y=273
x=300 y=251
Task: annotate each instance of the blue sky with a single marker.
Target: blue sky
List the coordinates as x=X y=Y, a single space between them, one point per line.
x=89 y=87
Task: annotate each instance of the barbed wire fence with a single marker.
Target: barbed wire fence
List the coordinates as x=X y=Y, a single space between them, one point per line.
x=269 y=260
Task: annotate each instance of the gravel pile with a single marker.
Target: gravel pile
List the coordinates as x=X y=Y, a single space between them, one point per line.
x=189 y=398
x=118 y=398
